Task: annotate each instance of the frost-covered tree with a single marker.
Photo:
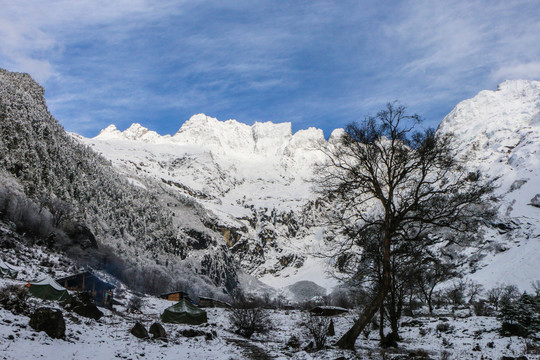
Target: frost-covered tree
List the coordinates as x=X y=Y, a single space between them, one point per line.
x=391 y=185
x=75 y=185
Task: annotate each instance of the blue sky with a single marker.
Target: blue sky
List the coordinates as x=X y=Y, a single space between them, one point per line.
x=313 y=63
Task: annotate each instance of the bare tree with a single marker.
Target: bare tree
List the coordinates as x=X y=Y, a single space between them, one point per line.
x=431 y=273
x=317 y=327
x=389 y=185
x=494 y=296
x=248 y=316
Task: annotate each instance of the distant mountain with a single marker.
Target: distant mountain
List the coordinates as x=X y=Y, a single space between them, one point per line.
x=252 y=180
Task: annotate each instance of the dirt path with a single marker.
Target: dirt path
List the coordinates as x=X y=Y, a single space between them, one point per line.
x=250 y=350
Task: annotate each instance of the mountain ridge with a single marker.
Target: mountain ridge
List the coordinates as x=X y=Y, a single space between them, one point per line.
x=496 y=114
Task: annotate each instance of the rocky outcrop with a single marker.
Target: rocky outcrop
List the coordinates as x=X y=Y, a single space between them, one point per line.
x=49 y=320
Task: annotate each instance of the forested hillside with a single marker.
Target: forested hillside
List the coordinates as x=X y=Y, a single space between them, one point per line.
x=82 y=193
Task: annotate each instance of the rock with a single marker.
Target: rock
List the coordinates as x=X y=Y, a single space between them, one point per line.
x=90 y=311
x=309 y=347
x=80 y=234
x=158 y=331
x=139 y=331
x=413 y=323
x=49 y=320
x=194 y=333
x=514 y=329
x=535 y=201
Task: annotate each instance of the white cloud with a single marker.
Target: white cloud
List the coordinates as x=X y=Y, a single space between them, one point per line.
x=32 y=32
x=527 y=71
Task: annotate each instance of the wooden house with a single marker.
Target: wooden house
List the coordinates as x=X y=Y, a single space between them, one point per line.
x=176 y=296
x=101 y=291
x=209 y=302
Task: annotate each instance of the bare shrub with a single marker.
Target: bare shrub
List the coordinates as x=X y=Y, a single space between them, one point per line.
x=135 y=304
x=13 y=298
x=474 y=290
x=509 y=294
x=317 y=327
x=481 y=308
x=445 y=355
x=456 y=293
x=248 y=317
x=494 y=296
x=444 y=327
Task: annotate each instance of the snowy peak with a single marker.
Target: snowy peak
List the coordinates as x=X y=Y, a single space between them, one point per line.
x=515 y=104
x=227 y=137
x=219 y=136
x=134 y=132
x=110 y=132
x=498 y=132
x=271 y=138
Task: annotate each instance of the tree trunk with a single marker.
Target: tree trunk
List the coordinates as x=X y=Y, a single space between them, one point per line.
x=393 y=308
x=381 y=321
x=349 y=338
x=430 y=306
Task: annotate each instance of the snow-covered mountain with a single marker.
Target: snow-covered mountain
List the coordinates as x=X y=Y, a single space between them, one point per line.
x=254 y=180
x=219 y=196
x=498 y=133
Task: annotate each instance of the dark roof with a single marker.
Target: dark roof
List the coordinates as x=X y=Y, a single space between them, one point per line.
x=328 y=310
x=87 y=274
x=174 y=292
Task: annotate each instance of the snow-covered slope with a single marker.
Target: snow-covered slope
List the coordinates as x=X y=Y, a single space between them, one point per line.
x=498 y=132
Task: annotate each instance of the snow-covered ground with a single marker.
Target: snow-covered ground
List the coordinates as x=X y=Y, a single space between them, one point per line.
x=109 y=338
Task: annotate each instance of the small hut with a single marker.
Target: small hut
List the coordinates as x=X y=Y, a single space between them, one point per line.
x=205 y=302
x=184 y=312
x=8 y=270
x=176 y=296
x=100 y=290
x=47 y=289
x=328 y=310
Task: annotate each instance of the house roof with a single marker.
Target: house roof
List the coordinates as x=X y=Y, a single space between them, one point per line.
x=87 y=274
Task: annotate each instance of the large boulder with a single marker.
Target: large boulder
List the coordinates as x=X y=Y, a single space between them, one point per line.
x=49 y=320
x=89 y=310
x=158 y=332
x=139 y=331
x=83 y=305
